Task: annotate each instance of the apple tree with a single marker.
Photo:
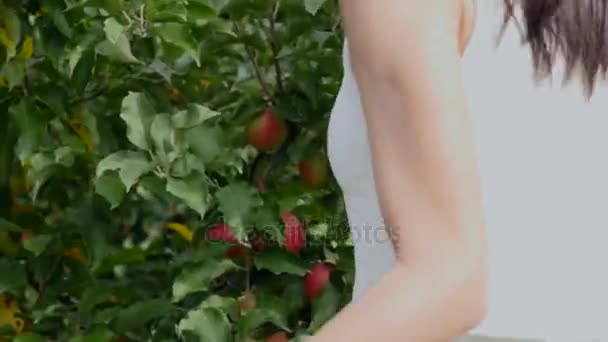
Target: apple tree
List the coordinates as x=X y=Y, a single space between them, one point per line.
x=163 y=170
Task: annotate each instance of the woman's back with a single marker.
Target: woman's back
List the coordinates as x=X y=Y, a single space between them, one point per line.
x=543 y=158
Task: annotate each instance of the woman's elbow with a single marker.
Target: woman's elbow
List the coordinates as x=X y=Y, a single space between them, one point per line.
x=461 y=285
x=467 y=268
x=474 y=300
x=470 y=295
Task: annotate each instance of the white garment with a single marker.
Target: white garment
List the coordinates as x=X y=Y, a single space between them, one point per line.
x=543 y=157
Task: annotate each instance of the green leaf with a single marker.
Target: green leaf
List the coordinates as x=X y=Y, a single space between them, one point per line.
x=193 y=190
x=199 y=12
x=100 y=334
x=113 y=30
x=105 y=7
x=53 y=97
x=29 y=337
x=267 y=221
x=132 y=171
x=279 y=262
x=130 y=165
x=105 y=316
x=251 y=321
x=180 y=168
x=12 y=33
x=180 y=35
x=161 y=133
x=110 y=187
x=61 y=22
x=9 y=245
x=94 y=295
x=324 y=306
x=119 y=51
x=199 y=278
x=258 y=316
x=218 y=5
x=313 y=6
x=294 y=297
x=93 y=230
x=163 y=10
x=208 y=324
x=124 y=256
x=7 y=329
x=274 y=309
x=137 y=113
x=13 y=275
x=239 y=158
x=194 y=116
x=140 y=313
x=7 y=226
x=31 y=127
x=162 y=69
x=14 y=72
x=37 y=243
x=73 y=57
x=64 y=156
x=269 y=309
x=236 y=202
x=205 y=142
x=42 y=169
x=83 y=71
x=152 y=187
x=89 y=121
x=226 y=304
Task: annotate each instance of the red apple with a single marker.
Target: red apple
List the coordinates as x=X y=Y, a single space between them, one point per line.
x=316 y=279
x=221 y=232
x=267 y=132
x=295 y=236
x=314 y=171
x=236 y=252
x=280 y=336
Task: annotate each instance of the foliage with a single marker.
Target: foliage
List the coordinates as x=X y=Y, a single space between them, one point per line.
x=123 y=143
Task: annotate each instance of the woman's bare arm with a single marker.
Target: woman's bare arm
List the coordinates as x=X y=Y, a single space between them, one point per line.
x=406 y=59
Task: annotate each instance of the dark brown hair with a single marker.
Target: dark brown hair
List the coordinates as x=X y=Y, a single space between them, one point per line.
x=574 y=30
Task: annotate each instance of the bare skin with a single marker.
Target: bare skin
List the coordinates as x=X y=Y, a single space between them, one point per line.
x=406 y=57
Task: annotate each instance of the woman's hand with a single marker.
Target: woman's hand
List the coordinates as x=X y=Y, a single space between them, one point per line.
x=405 y=56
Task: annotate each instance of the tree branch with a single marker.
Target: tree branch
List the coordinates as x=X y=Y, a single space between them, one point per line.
x=256 y=67
x=91 y=96
x=273 y=45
